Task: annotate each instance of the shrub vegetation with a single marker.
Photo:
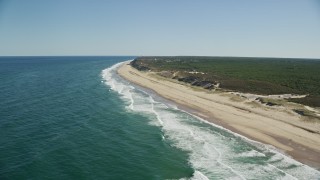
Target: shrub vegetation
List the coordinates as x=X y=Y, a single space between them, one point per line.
x=249 y=75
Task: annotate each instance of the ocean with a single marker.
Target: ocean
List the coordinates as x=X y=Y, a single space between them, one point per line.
x=75 y=118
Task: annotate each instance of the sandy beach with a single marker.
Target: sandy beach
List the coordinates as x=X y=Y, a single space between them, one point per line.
x=275 y=126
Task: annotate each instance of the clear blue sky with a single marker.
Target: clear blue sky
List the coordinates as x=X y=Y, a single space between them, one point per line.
x=272 y=28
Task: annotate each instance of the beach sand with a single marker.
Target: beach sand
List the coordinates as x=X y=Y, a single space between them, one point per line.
x=275 y=126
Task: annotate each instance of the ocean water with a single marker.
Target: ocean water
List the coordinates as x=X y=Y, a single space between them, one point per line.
x=75 y=118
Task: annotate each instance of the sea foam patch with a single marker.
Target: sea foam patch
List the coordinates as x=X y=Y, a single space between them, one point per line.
x=214 y=152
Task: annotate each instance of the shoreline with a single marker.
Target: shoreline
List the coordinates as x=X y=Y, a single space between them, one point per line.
x=286 y=132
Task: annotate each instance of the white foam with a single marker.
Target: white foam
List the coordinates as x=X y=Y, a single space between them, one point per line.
x=211 y=151
x=132 y=101
x=197 y=175
x=252 y=153
x=155 y=112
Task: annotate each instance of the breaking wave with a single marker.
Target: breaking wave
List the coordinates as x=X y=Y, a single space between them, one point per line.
x=214 y=152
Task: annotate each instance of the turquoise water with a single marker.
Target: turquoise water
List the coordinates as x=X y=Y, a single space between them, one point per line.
x=75 y=118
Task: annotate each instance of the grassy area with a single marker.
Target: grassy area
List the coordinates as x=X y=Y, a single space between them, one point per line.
x=250 y=75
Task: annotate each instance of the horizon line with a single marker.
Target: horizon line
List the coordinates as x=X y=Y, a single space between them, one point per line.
x=271 y=57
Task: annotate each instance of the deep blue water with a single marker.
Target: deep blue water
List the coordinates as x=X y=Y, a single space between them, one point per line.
x=75 y=118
